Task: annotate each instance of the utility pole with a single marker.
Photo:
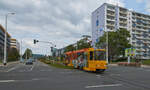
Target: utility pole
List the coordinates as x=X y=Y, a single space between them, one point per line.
x=107 y=47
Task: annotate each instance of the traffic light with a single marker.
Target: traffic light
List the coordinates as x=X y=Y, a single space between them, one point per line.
x=35 y=41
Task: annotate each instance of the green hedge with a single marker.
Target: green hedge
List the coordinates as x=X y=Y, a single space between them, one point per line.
x=146 y=62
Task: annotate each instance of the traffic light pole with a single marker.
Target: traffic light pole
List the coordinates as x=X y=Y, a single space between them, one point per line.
x=35 y=41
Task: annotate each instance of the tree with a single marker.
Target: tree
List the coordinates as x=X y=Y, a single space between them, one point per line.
x=27 y=54
x=83 y=43
x=118 y=41
x=13 y=54
x=70 y=48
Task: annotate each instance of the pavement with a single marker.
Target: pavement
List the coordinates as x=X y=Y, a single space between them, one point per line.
x=40 y=76
x=142 y=66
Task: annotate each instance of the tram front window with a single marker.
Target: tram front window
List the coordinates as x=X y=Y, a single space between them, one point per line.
x=99 y=55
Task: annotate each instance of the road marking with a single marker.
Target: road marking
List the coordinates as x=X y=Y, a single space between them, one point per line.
x=98 y=75
x=32 y=68
x=11 y=69
x=45 y=70
x=114 y=74
x=96 y=86
x=34 y=79
x=6 y=81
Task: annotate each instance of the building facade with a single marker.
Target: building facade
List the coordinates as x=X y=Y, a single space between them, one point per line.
x=110 y=17
x=15 y=44
x=2 y=39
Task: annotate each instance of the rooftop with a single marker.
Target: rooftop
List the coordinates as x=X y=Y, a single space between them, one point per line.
x=2 y=28
x=122 y=8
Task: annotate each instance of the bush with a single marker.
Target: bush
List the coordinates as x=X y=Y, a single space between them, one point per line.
x=120 y=59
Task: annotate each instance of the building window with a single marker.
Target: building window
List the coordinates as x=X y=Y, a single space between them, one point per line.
x=97 y=22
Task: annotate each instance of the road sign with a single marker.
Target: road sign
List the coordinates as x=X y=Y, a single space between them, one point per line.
x=130 y=52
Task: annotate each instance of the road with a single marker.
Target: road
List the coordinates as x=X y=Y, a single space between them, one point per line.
x=40 y=76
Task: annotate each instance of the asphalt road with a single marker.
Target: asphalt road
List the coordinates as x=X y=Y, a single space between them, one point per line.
x=39 y=76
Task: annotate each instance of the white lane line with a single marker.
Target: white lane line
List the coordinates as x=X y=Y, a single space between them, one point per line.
x=6 y=81
x=34 y=79
x=11 y=69
x=96 y=86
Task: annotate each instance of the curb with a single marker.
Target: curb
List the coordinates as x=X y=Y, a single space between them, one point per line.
x=112 y=64
x=145 y=66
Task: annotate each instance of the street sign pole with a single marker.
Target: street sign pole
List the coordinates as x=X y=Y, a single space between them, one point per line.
x=128 y=59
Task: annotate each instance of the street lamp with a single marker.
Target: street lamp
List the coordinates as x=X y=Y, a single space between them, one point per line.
x=5 y=41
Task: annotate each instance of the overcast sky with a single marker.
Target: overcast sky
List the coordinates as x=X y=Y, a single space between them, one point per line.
x=62 y=22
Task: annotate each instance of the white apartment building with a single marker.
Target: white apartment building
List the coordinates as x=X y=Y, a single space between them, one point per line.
x=15 y=44
x=110 y=17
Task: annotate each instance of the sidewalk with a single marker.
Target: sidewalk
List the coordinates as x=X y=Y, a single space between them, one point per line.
x=9 y=63
x=143 y=66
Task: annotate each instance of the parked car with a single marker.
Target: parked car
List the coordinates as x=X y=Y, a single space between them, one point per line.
x=29 y=62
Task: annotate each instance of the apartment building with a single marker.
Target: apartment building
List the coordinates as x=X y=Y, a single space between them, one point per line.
x=15 y=44
x=2 y=38
x=110 y=17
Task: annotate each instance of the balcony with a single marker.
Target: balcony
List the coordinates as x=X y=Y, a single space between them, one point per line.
x=139 y=50
x=123 y=27
x=133 y=41
x=138 y=33
x=138 y=28
x=139 y=17
x=122 y=18
x=133 y=28
x=110 y=24
x=143 y=30
x=111 y=9
x=110 y=18
x=139 y=37
x=124 y=22
x=110 y=28
x=146 y=42
x=111 y=14
x=123 y=12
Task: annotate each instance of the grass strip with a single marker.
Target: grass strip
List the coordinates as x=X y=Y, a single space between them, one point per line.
x=146 y=62
x=56 y=64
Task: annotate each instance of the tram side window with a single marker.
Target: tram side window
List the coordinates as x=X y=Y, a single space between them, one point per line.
x=85 y=55
x=91 y=55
